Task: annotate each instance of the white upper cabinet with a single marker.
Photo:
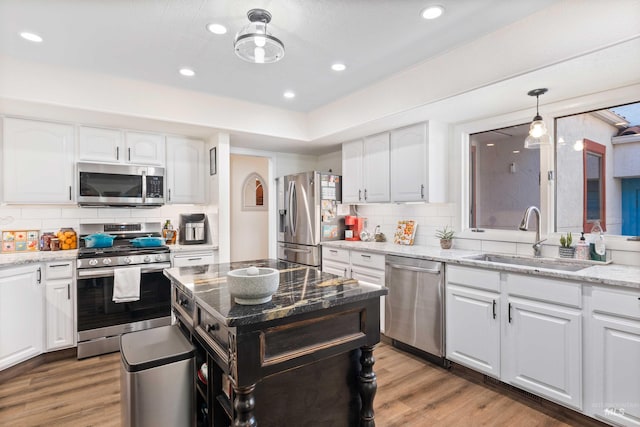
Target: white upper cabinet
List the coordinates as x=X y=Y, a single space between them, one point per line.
x=365 y=170
x=116 y=146
x=185 y=170
x=352 y=154
x=38 y=162
x=144 y=148
x=418 y=163
x=375 y=168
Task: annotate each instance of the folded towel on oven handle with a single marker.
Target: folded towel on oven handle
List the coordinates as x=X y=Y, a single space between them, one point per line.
x=126 y=284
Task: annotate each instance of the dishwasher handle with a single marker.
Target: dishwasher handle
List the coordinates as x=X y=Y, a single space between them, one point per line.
x=416 y=269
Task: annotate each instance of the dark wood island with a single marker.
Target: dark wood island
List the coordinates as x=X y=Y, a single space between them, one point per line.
x=303 y=359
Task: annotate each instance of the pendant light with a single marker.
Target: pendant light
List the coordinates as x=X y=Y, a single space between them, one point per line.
x=254 y=43
x=538 y=134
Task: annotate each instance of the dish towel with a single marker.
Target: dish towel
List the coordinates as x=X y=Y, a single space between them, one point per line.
x=126 y=284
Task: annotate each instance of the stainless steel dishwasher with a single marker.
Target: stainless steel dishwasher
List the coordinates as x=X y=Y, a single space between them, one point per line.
x=414 y=308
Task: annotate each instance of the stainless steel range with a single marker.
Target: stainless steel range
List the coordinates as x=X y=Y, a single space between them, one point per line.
x=101 y=321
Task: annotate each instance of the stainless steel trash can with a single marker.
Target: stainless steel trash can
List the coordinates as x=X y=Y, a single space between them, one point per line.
x=157 y=378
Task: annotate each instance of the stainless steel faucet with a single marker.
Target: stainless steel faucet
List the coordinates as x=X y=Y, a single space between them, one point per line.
x=524 y=226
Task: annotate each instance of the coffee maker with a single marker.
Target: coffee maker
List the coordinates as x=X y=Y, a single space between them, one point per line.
x=193 y=229
x=354 y=225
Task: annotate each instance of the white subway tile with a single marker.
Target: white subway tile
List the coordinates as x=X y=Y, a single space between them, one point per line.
x=468 y=244
x=22 y=224
x=80 y=213
x=55 y=224
x=625 y=257
x=114 y=213
x=40 y=213
x=95 y=220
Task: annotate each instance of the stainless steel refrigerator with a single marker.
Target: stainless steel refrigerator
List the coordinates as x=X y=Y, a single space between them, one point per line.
x=308 y=214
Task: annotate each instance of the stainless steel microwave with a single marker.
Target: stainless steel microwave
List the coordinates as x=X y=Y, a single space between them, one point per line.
x=120 y=185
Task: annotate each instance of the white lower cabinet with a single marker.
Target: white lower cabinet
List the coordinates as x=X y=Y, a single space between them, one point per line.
x=612 y=386
x=59 y=305
x=522 y=329
x=473 y=328
x=363 y=266
x=542 y=350
x=21 y=314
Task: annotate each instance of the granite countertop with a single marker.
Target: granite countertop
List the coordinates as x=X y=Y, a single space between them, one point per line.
x=594 y=272
x=302 y=289
x=16 y=258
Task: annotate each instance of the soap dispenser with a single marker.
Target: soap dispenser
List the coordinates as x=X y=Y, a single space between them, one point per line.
x=597 y=249
x=582 y=248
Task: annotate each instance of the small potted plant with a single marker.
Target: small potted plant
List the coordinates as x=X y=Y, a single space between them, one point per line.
x=566 y=250
x=446 y=237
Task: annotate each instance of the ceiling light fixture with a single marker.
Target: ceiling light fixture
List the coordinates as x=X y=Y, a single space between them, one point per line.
x=254 y=43
x=338 y=67
x=538 y=134
x=432 y=12
x=289 y=94
x=32 y=37
x=187 y=72
x=217 y=29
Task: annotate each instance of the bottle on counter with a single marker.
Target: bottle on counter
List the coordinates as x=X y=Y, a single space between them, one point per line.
x=45 y=241
x=169 y=233
x=582 y=248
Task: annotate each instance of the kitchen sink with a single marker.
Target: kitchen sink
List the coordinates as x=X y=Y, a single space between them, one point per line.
x=546 y=263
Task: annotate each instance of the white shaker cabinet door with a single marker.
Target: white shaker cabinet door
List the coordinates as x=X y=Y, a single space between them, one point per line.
x=38 y=162
x=21 y=314
x=542 y=350
x=375 y=168
x=100 y=145
x=352 y=157
x=144 y=148
x=409 y=169
x=185 y=170
x=473 y=328
x=59 y=314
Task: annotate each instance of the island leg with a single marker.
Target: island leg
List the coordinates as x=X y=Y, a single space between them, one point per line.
x=368 y=386
x=244 y=404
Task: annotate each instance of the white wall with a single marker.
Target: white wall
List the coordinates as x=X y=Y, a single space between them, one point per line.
x=249 y=228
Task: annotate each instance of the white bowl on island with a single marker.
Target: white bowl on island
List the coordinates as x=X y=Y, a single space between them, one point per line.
x=253 y=285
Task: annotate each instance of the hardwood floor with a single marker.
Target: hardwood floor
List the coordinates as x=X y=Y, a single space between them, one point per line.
x=411 y=392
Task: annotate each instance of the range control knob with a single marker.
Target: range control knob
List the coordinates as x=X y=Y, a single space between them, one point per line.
x=106 y=261
x=147 y=258
x=93 y=262
x=127 y=260
x=158 y=257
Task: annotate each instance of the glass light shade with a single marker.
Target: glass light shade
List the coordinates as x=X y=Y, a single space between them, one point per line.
x=255 y=44
x=537 y=128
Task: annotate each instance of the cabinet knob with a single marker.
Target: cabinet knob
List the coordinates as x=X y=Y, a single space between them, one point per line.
x=213 y=327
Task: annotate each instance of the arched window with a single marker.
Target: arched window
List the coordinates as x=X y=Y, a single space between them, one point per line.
x=254 y=193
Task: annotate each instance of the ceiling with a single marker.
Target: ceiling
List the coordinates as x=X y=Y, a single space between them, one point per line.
x=151 y=39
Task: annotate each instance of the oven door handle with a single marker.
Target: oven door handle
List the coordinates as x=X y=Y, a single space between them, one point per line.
x=107 y=272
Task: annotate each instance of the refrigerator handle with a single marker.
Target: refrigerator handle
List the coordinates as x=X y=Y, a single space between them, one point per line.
x=293 y=208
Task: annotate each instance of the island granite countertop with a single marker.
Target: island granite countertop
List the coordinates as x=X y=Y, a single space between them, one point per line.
x=302 y=290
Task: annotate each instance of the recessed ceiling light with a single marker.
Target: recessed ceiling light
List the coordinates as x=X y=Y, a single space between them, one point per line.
x=490 y=145
x=217 y=28
x=338 y=67
x=289 y=94
x=432 y=12
x=187 y=72
x=516 y=151
x=31 y=37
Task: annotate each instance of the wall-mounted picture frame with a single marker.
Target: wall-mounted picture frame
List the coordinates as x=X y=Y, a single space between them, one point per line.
x=212 y=161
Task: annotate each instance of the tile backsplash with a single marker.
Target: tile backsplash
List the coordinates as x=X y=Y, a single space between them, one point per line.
x=52 y=218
